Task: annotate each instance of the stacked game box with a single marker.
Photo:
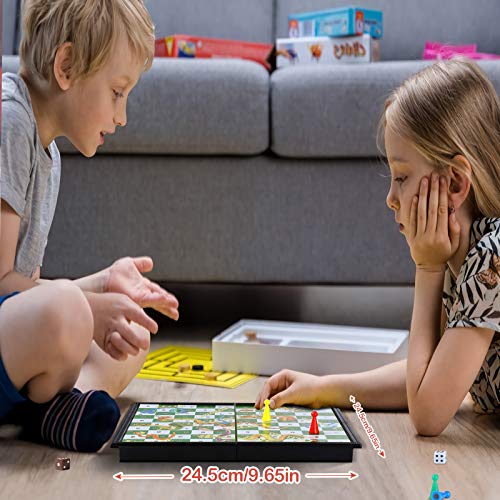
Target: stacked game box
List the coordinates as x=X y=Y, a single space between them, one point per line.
x=343 y=35
x=188 y=46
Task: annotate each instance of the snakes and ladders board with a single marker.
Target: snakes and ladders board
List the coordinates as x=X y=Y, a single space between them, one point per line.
x=231 y=432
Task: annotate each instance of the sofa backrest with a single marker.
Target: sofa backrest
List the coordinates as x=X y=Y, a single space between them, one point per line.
x=10 y=29
x=409 y=23
x=232 y=19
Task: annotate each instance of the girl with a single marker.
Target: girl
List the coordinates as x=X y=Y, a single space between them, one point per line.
x=442 y=139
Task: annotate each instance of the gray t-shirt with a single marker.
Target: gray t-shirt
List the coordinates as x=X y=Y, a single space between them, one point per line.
x=29 y=176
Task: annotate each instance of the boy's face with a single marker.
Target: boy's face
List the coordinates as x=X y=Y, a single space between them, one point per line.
x=97 y=105
x=408 y=167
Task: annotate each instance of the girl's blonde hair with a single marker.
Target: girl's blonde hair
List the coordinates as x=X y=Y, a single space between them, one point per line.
x=91 y=26
x=451 y=108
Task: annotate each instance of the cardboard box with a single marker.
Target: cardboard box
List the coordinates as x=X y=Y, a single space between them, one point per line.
x=202 y=47
x=265 y=347
x=345 y=21
x=326 y=50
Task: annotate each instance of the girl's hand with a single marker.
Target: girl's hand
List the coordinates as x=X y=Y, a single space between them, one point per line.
x=434 y=235
x=124 y=276
x=113 y=313
x=289 y=386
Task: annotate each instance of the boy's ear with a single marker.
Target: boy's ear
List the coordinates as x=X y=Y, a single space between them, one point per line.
x=460 y=180
x=62 y=65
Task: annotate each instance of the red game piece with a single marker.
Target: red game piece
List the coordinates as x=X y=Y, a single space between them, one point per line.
x=314 y=423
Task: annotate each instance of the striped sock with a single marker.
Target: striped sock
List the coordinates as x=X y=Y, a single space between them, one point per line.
x=72 y=421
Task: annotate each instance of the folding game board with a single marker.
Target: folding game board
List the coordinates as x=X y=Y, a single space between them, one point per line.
x=198 y=432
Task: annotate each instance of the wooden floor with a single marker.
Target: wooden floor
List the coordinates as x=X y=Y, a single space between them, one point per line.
x=472 y=443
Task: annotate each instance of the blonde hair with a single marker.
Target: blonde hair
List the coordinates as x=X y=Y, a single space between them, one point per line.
x=92 y=26
x=451 y=108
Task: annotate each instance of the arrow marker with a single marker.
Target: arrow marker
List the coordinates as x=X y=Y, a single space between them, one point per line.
x=120 y=476
x=332 y=475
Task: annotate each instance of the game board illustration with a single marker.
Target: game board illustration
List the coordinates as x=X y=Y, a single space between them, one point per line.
x=290 y=424
x=222 y=431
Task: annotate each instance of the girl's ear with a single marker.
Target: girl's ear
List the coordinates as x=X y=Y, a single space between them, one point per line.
x=62 y=66
x=460 y=180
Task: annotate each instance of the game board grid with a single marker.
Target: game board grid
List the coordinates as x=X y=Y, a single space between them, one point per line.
x=289 y=424
x=182 y=423
x=185 y=423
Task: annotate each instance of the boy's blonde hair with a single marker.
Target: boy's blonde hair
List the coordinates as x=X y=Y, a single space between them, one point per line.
x=450 y=108
x=92 y=26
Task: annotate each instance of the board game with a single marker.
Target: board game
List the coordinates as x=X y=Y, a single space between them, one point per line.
x=198 y=432
x=165 y=364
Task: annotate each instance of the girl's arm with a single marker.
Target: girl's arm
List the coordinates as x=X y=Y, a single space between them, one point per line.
x=382 y=388
x=440 y=372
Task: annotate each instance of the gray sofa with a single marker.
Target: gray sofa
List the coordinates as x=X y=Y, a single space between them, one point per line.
x=227 y=174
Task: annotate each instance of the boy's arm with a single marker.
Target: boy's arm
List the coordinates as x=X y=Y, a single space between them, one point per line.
x=10 y=281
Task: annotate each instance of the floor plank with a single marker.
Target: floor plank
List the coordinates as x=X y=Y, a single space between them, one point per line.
x=471 y=472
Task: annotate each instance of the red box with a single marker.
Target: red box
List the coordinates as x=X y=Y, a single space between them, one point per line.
x=201 y=47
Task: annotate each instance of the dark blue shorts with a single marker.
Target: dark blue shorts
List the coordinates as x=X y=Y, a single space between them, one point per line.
x=9 y=395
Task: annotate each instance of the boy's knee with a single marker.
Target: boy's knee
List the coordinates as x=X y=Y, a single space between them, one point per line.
x=68 y=322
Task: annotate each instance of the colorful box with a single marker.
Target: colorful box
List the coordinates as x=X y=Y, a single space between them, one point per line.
x=326 y=50
x=345 y=21
x=202 y=47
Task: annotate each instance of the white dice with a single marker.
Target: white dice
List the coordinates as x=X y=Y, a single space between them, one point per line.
x=440 y=457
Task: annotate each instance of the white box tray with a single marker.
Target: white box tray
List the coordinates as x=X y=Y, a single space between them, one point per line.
x=312 y=348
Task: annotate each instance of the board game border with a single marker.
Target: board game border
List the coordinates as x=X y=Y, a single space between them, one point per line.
x=230 y=451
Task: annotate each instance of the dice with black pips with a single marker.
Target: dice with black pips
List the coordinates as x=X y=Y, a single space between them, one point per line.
x=440 y=457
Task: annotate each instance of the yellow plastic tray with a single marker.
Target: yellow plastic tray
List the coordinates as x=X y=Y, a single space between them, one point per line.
x=163 y=364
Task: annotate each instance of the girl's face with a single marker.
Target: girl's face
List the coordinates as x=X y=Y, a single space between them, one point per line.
x=407 y=167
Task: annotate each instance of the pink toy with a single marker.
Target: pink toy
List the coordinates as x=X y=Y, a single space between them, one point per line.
x=437 y=50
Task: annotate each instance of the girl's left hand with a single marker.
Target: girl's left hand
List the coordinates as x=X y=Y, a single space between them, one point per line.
x=434 y=234
x=125 y=276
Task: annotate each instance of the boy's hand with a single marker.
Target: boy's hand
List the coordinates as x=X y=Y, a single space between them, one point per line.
x=289 y=386
x=124 y=276
x=434 y=234
x=113 y=313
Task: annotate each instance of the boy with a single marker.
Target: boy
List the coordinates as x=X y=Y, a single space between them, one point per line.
x=64 y=345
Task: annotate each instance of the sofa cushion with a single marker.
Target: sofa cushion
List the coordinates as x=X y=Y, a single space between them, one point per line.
x=407 y=25
x=333 y=111
x=192 y=107
x=259 y=219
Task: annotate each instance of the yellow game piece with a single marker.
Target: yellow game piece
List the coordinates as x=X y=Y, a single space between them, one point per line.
x=210 y=376
x=184 y=367
x=266 y=415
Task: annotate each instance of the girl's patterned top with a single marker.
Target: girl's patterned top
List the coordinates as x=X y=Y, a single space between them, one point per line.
x=473 y=300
